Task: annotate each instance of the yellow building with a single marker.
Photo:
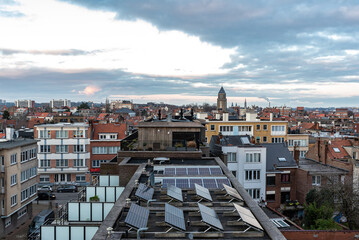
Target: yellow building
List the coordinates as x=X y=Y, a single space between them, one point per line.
x=262 y=131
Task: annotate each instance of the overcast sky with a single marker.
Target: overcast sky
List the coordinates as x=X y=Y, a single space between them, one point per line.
x=294 y=53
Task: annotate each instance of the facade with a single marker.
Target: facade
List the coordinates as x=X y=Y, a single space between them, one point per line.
x=59 y=103
x=18 y=185
x=222 y=100
x=105 y=143
x=300 y=142
x=25 y=103
x=262 y=131
x=117 y=104
x=63 y=153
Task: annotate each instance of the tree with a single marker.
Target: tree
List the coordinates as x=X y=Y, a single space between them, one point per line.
x=83 y=105
x=318 y=217
x=6 y=114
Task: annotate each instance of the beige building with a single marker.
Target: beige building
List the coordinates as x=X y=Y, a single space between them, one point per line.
x=117 y=104
x=301 y=141
x=18 y=188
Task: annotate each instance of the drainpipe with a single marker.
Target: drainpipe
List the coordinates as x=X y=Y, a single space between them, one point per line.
x=139 y=232
x=151 y=200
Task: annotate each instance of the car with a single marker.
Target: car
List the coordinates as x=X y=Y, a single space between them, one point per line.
x=43 y=218
x=67 y=188
x=46 y=196
x=45 y=188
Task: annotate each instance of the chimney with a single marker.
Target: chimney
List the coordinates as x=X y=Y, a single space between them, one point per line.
x=10 y=134
x=271 y=117
x=218 y=116
x=225 y=117
x=296 y=154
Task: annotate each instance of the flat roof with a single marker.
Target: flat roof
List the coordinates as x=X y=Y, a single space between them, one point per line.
x=17 y=143
x=64 y=125
x=314 y=167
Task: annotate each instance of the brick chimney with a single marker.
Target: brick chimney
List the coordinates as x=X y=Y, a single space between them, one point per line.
x=296 y=154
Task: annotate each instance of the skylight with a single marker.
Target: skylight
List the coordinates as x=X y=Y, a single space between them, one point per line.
x=280 y=222
x=245 y=140
x=282 y=159
x=336 y=150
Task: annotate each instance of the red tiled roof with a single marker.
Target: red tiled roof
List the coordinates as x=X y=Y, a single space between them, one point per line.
x=109 y=128
x=2 y=135
x=339 y=144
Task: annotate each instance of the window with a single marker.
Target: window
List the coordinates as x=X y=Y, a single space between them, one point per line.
x=271 y=180
x=258 y=127
x=62 y=148
x=102 y=136
x=62 y=134
x=13 y=159
x=299 y=142
x=277 y=140
x=252 y=175
x=231 y=157
x=21 y=212
x=78 y=163
x=113 y=150
x=278 y=128
x=45 y=148
x=316 y=180
x=254 y=192
x=44 y=178
x=285 y=178
x=244 y=128
x=265 y=127
x=282 y=159
x=302 y=154
x=7 y=222
x=44 y=134
x=264 y=139
x=79 y=148
x=212 y=127
x=337 y=150
x=226 y=128
x=97 y=163
x=113 y=136
x=13 y=180
x=258 y=139
x=234 y=173
x=13 y=200
x=270 y=197
x=62 y=162
x=253 y=157
x=80 y=178
x=78 y=134
x=29 y=173
x=99 y=150
x=45 y=163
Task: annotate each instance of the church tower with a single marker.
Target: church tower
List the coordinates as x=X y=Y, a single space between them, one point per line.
x=222 y=100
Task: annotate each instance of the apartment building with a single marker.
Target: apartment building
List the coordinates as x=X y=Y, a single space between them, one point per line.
x=262 y=131
x=63 y=153
x=25 y=103
x=60 y=103
x=18 y=183
x=300 y=142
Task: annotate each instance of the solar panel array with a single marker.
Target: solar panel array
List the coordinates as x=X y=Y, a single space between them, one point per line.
x=144 y=192
x=204 y=171
x=174 y=216
x=184 y=183
x=232 y=192
x=247 y=216
x=203 y=192
x=175 y=192
x=137 y=216
x=210 y=217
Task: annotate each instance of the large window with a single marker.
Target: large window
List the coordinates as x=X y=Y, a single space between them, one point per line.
x=252 y=175
x=277 y=140
x=62 y=162
x=278 y=128
x=44 y=134
x=231 y=157
x=244 y=128
x=97 y=163
x=113 y=150
x=62 y=134
x=28 y=174
x=45 y=148
x=79 y=163
x=79 y=148
x=254 y=192
x=45 y=163
x=300 y=142
x=253 y=157
x=226 y=128
x=28 y=155
x=99 y=150
x=62 y=148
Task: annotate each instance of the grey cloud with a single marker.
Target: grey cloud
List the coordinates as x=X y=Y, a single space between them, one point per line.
x=64 y=52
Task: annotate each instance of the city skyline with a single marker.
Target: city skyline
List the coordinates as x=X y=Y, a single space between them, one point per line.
x=292 y=53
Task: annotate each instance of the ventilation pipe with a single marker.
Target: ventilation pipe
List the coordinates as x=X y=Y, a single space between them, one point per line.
x=139 y=232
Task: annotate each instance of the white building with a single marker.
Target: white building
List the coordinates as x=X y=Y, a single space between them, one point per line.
x=63 y=153
x=60 y=103
x=24 y=103
x=246 y=161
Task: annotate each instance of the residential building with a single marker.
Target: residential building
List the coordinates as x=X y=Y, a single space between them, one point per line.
x=18 y=185
x=300 y=142
x=105 y=143
x=356 y=128
x=25 y=103
x=262 y=131
x=59 y=103
x=63 y=153
x=222 y=100
x=117 y=104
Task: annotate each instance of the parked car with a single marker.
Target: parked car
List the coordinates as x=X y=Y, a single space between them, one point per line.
x=46 y=195
x=45 y=188
x=43 y=218
x=67 y=188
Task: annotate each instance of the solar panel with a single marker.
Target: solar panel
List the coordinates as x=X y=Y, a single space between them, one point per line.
x=221 y=181
x=210 y=183
x=174 y=216
x=144 y=192
x=192 y=171
x=216 y=171
x=182 y=183
x=192 y=181
x=204 y=171
x=170 y=171
x=175 y=192
x=181 y=171
x=247 y=216
x=203 y=193
x=137 y=216
x=232 y=192
x=168 y=181
x=210 y=217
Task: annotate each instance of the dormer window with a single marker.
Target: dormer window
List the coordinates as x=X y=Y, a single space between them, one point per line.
x=282 y=159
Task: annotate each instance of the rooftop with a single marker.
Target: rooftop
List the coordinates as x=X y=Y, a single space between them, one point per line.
x=314 y=167
x=278 y=156
x=17 y=143
x=78 y=124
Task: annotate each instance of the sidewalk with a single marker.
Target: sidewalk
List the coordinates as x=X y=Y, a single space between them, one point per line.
x=21 y=231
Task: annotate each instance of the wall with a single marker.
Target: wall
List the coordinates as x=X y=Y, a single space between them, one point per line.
x=320 y=235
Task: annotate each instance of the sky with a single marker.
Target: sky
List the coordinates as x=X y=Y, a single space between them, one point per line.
x=292 y=53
